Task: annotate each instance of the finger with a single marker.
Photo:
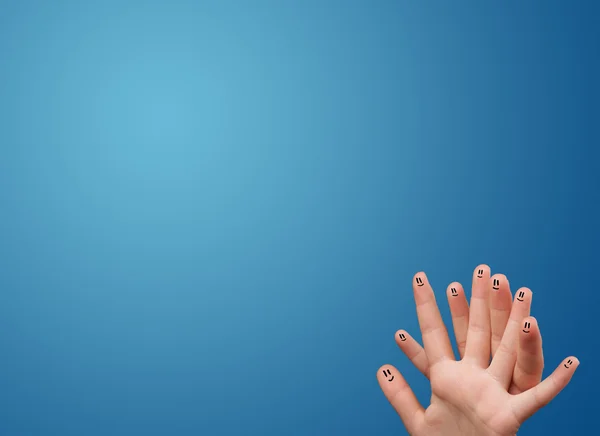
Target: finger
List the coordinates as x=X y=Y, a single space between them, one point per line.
x=503 y=363
x=500 y=305
x=459 y=308
x=401 y=397
x=413 y=351
x=530 y=358
x=478 y=336
x=529 y=402
x=435 y=336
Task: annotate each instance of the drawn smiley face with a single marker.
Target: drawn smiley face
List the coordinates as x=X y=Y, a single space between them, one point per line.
x=521 y=296
x=480 y=273
x=527 y=327
x=568 y=363
x=402 y=337
x=496 y=284
x=387 y=374
x=454 y=292
x=419 y=281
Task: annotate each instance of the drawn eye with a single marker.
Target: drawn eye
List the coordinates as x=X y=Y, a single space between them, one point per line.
x=387 y=373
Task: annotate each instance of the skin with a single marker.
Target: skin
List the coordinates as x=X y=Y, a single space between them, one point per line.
x=473 y=396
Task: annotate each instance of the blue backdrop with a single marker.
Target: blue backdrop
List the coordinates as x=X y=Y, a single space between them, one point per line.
x=211 y=211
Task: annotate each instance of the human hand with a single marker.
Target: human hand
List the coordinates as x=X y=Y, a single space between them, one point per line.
x=529 y=356
x=472 y=396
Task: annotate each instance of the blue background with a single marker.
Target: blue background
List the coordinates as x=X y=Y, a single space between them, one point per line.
x=211 y=211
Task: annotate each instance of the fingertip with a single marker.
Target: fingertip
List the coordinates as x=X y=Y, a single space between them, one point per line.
x=420 y=275
x=571 y=363
x=497 y=280
x=523 y=294
x=389 y=378
x=383 y=368
x=482 y=270
x=481 y=275
x=454 y=289
x=401 y=335
x=529 y=326
x=420 y=281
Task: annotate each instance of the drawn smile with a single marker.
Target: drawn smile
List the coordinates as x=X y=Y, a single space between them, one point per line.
x=387 y=373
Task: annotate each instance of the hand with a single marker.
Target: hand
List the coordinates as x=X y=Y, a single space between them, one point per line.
x=472 y=396
x=530 y=359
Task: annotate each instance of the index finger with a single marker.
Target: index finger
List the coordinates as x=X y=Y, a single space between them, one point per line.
x=435 y=335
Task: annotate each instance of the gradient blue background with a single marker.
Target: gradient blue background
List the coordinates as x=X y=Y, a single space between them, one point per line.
x=211 y=211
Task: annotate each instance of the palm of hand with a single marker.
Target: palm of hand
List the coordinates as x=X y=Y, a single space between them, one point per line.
x=474 y=396
x=467 y=400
